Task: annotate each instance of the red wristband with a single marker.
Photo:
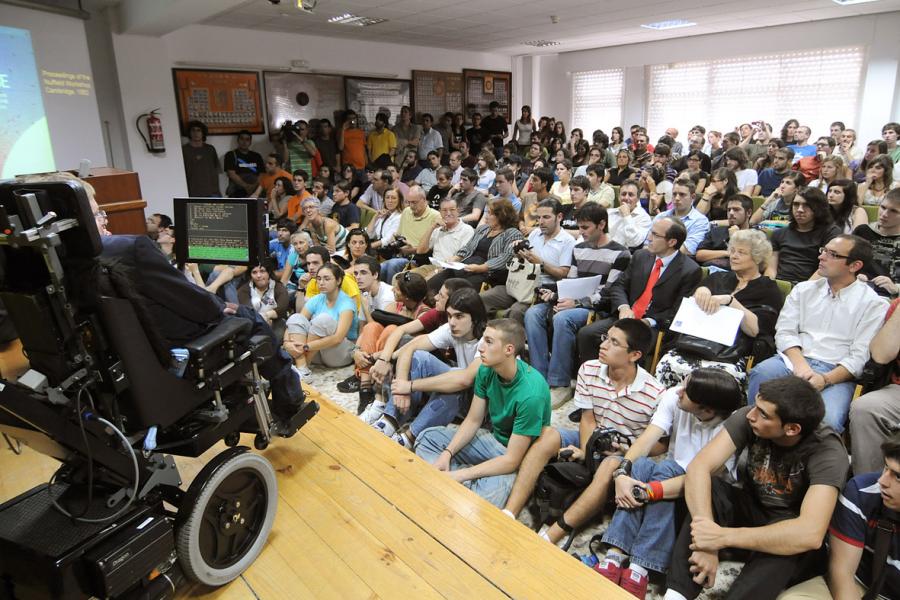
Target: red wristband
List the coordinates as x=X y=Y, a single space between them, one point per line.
x=656 y=490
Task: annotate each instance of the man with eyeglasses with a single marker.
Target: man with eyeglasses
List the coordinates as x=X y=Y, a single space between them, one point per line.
x=613 y=391
x=446 y=237
x=824 y=329
x=415 y=223
x=770 y=178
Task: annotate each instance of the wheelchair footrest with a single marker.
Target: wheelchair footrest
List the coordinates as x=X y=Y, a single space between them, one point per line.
x=306 y=412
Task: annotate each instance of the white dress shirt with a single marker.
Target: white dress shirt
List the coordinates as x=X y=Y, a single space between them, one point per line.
x=630 y=231
x=834 y=328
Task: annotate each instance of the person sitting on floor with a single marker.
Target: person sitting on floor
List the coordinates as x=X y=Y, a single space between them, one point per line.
x=796 y=466
x=431 y=405
x=642 y=532
x=612 y=391
x=516 y=399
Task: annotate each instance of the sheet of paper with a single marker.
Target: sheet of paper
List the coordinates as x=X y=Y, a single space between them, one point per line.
x=578 y=287
x=721 y=326
x=447 y=265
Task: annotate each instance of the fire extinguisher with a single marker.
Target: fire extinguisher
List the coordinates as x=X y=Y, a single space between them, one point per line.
x=156 y=143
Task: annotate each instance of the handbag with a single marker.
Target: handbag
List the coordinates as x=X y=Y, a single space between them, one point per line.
x=693 y=346
x=388 y=318
x=522 y=279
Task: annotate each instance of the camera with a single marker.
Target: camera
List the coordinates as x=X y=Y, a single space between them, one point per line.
x=605 y=438
x=521 y=245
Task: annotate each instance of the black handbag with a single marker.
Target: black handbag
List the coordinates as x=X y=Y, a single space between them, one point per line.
x=691 y=346
x=388 y=318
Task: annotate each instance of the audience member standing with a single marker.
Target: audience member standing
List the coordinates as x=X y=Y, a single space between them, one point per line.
x=201 y=163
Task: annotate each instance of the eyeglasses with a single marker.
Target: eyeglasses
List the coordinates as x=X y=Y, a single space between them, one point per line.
x=612 y=341
x=407 y=276
x=831 y=254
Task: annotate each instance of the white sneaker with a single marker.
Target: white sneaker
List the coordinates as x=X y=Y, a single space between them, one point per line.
x=302 y=372
x=384 y=426
x=403 y=440
x=559 y=396
x=373 y=412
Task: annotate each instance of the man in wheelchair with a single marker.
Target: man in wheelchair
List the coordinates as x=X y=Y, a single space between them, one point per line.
x=102 y=319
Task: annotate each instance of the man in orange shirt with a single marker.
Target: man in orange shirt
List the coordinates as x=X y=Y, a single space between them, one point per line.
x=267 y=179
x=294 y=210
x=352 y=141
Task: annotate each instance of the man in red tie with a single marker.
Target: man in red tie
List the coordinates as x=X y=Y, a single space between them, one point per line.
x=652 y=286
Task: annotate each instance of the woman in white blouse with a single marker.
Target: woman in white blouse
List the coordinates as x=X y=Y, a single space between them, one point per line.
x=382 y=228
x=736 y=161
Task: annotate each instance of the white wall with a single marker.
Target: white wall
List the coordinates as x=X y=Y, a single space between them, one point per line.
x=144 y=67
x=879 y=104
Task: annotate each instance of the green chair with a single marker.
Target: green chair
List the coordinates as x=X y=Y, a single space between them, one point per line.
x=872 y=211
x=757 y=202
x=366 y=214
x=785 y=287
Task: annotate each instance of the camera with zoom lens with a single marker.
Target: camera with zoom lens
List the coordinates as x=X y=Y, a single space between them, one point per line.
x=521 y=245
x=605 y=438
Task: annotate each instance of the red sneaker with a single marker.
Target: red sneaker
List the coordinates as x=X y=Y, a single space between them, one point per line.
x=610 y=570
x=634 y=583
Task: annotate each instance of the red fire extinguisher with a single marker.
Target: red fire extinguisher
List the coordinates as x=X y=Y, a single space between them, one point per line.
x=156 y=143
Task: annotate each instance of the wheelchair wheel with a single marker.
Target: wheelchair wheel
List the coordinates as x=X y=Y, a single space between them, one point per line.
x=226 y=516
x=232 y=439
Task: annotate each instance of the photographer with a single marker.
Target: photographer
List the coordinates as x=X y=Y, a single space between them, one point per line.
x=648 y=492
x=548 y=246
x=297 y=146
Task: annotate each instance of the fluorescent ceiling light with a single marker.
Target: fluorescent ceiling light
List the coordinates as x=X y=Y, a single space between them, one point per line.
x=846 y=2
x=351 y=19
x=540 y=43
x=673 y=24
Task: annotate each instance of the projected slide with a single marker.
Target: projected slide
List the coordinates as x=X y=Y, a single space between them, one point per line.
x=24 y=135
x=217 y=231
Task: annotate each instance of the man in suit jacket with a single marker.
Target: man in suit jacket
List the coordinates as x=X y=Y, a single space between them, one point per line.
x=183 y=311
x=674 y=276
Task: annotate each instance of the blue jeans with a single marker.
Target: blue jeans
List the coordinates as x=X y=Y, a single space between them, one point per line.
x=837 y=397
x=647 y=534
x=433 y=409
x=228 y=289
x=391 y=267
x=556 y=364
x=483 y=447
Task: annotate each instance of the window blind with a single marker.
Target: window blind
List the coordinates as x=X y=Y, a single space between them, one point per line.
x=816 y=87
x=597 y=100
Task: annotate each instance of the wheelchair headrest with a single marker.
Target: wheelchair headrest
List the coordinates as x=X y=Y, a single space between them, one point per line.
x=68 y=199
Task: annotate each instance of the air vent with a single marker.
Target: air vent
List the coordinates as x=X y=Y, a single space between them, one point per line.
x=541 y=43
x=355 y=20
x=673 y=24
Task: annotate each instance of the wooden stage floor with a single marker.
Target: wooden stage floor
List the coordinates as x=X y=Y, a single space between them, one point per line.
x=360 y=517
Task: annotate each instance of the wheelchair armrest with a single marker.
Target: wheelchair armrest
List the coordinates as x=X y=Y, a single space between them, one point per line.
x=261 y=348
x=226 y=330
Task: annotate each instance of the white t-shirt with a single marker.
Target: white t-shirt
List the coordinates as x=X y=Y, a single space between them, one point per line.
x=687 y=434
x=465 y=351
x=746 y=178
x=383 y=298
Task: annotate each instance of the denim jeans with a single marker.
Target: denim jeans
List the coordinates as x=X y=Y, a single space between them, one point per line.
x=836 y=397
x=557 y=363
x=228 y=289
x=433 y=409
x=391 y=267
x=483 y=447
x=647 y=534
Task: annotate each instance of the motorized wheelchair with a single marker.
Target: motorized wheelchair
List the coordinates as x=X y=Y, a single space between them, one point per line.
x=113 y=522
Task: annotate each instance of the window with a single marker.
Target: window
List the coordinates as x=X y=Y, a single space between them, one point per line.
x=597 y=100
x=816 y=87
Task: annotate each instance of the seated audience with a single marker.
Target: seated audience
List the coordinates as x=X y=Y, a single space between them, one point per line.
x=831 y=168
x=382 y=228
x=559 y=318
x=514 y=397
x=811 y=165
x=279 y=199
x=488 y=252
x=315 y=258
x=884 y=235
x=797 y=247
x=713 y=250
x=795 y=469
x=860 y=565
x=470 y=202
x=629 y=223
x=824 y=329
x=324 y=331
x=623 y=170
x=373 y=197
x=879 y=180
x=243 y=167
x=358 y=246
x=324 y=231
x=415 y=223
x=777 y=207
x=600 y=192
x=487 y=171
x=344 y=212
x=743 y=288
x=292 y=276
x=266 y=182
x=722 y=186
x=320 y=189
x=418 y=395
x=578 y=191
x=846 y=212
x=771 y=177
x=447 y=237
x=427 y=177
x=642 y=532
x=266 y=295
x=560 y=187
x=612 y=391
x=550 y=247
x=506 y=187
x=441 y=188
x=695 y=222
x=736 y=161
x=280 y=247
x=875 y=415
x=650 y=289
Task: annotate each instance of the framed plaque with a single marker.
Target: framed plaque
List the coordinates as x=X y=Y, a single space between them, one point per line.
x=225 y=101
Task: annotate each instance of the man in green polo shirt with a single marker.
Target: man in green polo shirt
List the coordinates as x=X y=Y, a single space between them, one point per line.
x=516 y=397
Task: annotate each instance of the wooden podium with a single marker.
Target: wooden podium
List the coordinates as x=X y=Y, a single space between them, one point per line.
x=118 y=192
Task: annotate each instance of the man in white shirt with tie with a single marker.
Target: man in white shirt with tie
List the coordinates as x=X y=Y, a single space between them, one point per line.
x=824 y=329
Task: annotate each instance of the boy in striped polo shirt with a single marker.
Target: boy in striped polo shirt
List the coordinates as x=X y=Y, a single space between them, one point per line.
x=614 y=391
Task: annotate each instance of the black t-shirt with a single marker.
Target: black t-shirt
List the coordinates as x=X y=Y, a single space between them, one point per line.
x=619 y=176
x=496 y=127
x=779 y=477
x=248 y=165
x=346 y=214
x=885 y=254
x=716 y=239
x=705 y=162
x=435 y=195
x=757 y=296
x=201 y=167
x=798 y=251
x=476 y=138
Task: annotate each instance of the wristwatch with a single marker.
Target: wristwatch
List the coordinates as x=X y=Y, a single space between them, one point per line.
x=624 y=468
x=306 y=347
